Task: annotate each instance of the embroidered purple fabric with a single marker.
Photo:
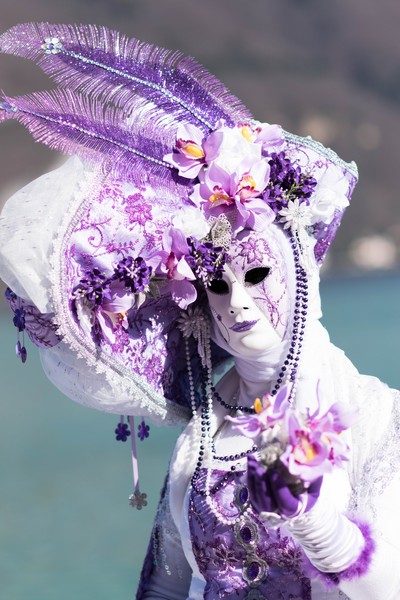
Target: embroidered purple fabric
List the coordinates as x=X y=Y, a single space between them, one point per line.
x=106 y=229
x=40 y=327
x=246 y=556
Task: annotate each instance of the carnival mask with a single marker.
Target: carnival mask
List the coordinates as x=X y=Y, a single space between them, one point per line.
x=250 y=304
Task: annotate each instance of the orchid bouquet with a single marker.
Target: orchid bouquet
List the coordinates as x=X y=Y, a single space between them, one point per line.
x=305 y=445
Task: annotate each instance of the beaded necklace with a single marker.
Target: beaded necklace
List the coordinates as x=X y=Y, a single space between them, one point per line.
x=287 y=374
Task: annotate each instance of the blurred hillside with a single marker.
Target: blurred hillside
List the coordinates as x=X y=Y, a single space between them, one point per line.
x=328 y=69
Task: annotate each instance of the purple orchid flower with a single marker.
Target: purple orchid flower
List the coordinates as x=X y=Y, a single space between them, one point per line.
x=307 y=454
x=229 y=147
x=190 y=154
x=238 y=191
x=337 y=418
x=316 y=445
x=174 y=266
x=269 y=136
x=105 y=319
x=270 y=411
x=111 y=314
x=248 y=425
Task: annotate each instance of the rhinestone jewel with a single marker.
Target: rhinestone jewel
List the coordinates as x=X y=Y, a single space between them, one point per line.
x=255 y=595
x=241 y=497
x=8 y=107
x=243 y=494
x=52 y=45
x=253 y=570
x=245 y=533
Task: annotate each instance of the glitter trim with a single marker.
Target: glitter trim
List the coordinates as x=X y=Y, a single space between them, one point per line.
x=317 y=147
x=89 y=133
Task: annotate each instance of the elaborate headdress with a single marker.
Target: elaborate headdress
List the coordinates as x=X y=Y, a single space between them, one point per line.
x=174 y=167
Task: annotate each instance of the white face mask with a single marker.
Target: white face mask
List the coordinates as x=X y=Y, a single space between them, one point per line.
x=250 y=304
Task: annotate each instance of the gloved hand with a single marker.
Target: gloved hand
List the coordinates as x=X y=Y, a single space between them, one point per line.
x=276 y=490
x=333 y=543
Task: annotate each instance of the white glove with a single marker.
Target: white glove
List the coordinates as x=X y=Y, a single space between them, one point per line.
x=329 y=539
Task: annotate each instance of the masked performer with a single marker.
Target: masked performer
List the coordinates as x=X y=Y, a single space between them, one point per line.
x=171 y=270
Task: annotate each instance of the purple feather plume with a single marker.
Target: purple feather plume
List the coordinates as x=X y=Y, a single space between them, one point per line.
x=74 y=124
x=98 y=61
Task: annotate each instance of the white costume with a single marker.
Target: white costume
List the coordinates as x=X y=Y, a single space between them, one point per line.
x=189 y=235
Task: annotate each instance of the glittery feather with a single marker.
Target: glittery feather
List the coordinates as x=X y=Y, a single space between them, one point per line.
x=75 y=124
x=98 y=61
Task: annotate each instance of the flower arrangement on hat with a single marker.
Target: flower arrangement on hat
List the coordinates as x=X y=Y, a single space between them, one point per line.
x=245 y=172
x=242 y=175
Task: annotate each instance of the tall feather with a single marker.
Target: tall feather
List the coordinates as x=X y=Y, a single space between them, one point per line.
x=75 y=124
x=95 y=60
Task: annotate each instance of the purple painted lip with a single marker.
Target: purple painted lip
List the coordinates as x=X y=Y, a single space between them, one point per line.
x=244 y=326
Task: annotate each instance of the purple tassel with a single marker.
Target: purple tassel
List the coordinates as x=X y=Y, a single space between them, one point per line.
x=101 y=62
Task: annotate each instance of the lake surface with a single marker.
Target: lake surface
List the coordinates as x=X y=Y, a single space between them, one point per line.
x=66 y=528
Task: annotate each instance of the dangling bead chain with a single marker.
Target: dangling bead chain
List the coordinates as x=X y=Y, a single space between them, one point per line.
x=191 y=382
x=206 y=442
x=287 y=373
x=246 y=409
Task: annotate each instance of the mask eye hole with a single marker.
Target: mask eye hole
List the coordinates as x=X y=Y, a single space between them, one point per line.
x=218 y=286
x=256 y=275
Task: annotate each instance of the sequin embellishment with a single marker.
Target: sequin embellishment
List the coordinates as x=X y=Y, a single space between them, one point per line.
x=52 y=45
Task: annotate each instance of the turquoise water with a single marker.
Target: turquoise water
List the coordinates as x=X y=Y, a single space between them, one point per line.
x=66 y=528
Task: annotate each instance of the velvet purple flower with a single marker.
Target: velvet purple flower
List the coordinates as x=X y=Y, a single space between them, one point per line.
x=287 y=183
x=122 y=432
x=206 y=260
x=143 y=431
x=93 y=286
x=134 y=273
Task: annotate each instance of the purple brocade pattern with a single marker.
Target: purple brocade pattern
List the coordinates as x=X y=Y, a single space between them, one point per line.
x=311 y=159
x=105 y=232
x=40 y=327
x=325 y=234
x=247 y=556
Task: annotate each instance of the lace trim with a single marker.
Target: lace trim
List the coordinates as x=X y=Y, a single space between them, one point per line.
x=164 y=529
x=317 y=147
x=122 y=380
x=376 y=473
